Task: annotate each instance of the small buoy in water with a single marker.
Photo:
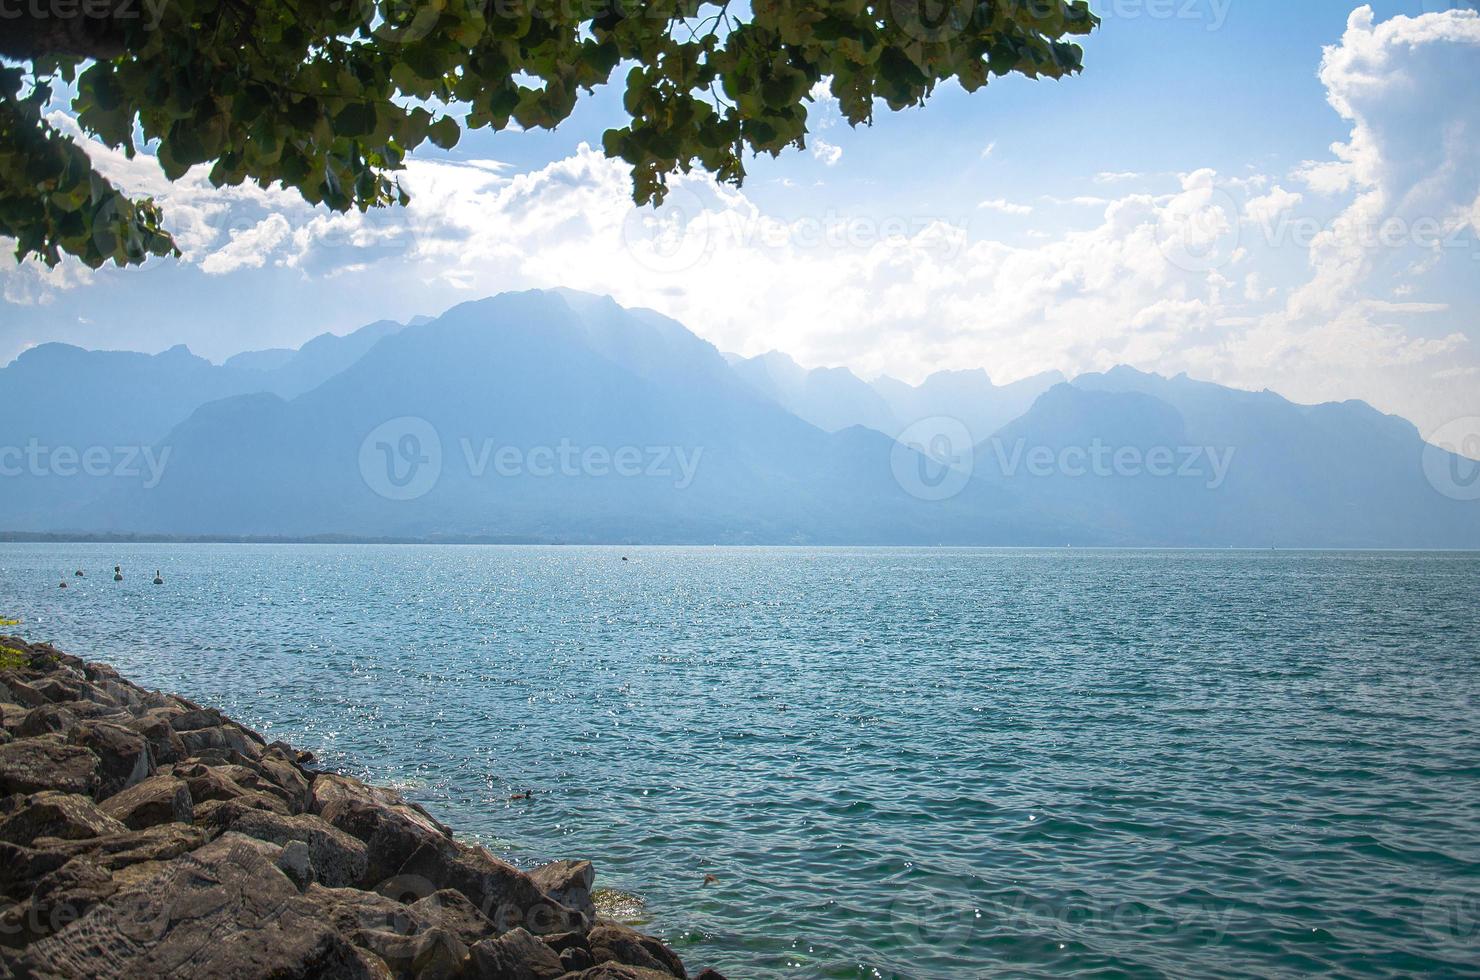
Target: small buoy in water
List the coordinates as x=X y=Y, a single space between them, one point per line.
x=624 y=557
x=118 y=573
x=158 y=578
x=78 y=573
x=62 y=586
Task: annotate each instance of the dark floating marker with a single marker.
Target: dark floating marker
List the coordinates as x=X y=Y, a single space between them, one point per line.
x=158 y=578
x=118 y=573
x=62 y=586
x=78 y=573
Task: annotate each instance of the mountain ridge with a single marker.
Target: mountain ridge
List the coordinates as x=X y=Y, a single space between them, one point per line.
x=300 y=448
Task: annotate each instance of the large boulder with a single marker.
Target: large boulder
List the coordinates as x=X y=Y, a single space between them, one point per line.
x=58 y=899
x=19 y=692
x=157 y=800
x=58 y=688
x=409 y=944
x=43 y=719
x=617 y=971
x=163 y=740
x=339 y=860
x=391 y=828
x=453 y=911
x=124 y=755
x=224 y=910
x=67 y=816
x=117 y=851
x=516 y=955
x=47 y=762
x=223 y=738
x=502 y=892
x=287 y=775
x=215 y=783
x=21 y=867
x=611 y=942
x=569 y=883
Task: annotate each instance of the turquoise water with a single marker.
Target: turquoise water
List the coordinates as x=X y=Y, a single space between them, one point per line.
x=896 y=763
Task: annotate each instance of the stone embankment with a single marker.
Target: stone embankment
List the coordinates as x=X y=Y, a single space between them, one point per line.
x=144 y=835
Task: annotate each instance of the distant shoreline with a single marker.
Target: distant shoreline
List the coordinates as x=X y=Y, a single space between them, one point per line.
x=43 y=537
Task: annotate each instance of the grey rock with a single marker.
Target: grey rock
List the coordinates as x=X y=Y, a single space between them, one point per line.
x=67 y=816
x=59 y=898
x=505 y=894
x=451 y=910
x=47 y=762
x=516 y=955
x=297 y=864
x=124 y=755
x=409 y=945
x=392 y=829
x=24 y=694
x=338 y=858
x=222 y=911
x=21 y=867
x=43 y=719
x=116 y=851
x=156 y=800
x=569 y=883
x=163 y=740
x=611 y=942
x=618 y=971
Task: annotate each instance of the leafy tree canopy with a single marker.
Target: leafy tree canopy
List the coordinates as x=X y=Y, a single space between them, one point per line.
x=329 y=96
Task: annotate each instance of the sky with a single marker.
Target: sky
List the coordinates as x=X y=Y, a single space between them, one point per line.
x=1255 y=192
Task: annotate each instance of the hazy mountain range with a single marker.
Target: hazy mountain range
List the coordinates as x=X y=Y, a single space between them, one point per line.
x=560 y=416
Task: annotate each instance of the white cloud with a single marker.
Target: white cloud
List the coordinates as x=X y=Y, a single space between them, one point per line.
x=31 y=283
x=1181 y=280
x=1005 y=206
x=1264 y=210
x=249 y=248
x=826 y=152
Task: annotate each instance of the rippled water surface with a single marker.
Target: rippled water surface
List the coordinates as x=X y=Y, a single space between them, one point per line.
x=895 y=763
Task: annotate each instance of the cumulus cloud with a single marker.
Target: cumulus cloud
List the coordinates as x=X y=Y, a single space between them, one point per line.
x=249 y=248
x=826 y=152
x=1263 y=211
x=1202 y=275
x=34 y=284
x=1005 y=206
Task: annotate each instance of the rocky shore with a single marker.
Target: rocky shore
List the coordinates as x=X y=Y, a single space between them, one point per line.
x=143 y=835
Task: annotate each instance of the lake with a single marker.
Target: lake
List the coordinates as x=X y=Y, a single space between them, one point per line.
x=893 y=763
